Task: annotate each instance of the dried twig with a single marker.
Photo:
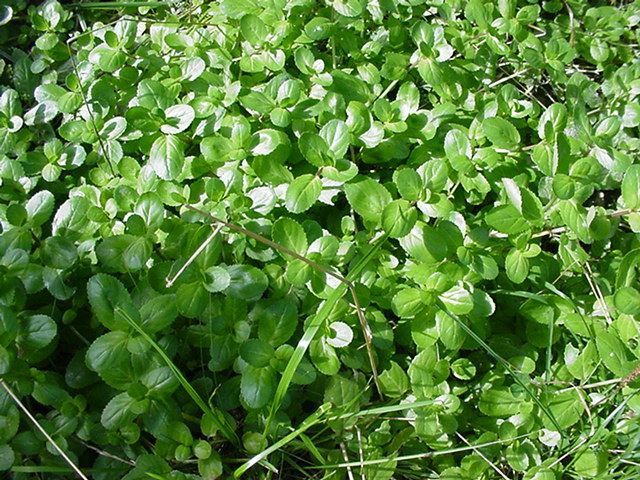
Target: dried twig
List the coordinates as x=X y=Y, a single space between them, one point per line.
x=506 y=79
x=346 y=459
x=481 y=455
x=107 y=454
x=572 y=34
x=366 y=330
x=26 y=411
x=192 y=258
x=631 y=377
x=559 y=230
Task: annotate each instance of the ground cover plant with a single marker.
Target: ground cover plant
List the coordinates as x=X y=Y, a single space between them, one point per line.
x=342 y=239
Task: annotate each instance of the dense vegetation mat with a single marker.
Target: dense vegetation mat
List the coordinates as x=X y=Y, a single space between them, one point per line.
x=327 y=239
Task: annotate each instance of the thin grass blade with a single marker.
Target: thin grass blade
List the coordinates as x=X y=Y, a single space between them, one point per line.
x=220 y=419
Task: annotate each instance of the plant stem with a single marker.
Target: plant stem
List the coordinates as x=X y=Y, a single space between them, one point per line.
x=26 y=411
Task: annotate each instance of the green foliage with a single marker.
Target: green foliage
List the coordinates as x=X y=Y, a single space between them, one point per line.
x=356 y=238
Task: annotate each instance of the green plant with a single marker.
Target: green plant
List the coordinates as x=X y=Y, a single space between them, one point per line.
x=324 y=239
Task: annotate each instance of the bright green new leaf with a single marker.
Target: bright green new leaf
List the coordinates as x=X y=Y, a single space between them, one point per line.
x=394 y=381
x=253 y=29
x=302 y=193
x=457 y=300
x=627 y=300
x=517 y=266
x=501 y=132
x=167 y=157
x=398 y=218
x=336 y=135
x=291 y=235
x=631 y=187
x=368 y=198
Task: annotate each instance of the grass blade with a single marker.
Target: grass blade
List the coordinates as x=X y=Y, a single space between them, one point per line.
x=219 y=417
x=317 y=321
x=504 y=363
x=416 y=456
x=307 y=423
x=119 y=5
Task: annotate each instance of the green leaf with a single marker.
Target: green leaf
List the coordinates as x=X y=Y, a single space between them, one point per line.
x=71 y=220
x=108 y=59
x=457 y=300
x=58 y=252
x=5 y=361
x=257 y=353
x=36 y=332
x=499 y=402
x=109 y=357
x=236 y=9
x=408 y=302
x=246 y=282
x=426 y=244
x=631 y=187
x=118 y=412
x=7 y=456
x=566 y=407
x=354 y=91
x=627 y=300
x=394 y=381
x=257 y=387
x=314 y=149
x=456 y=145
x=253 y=29
x=152 y=94
x=507 y=219
x=302 y=193
x=563 y=186
x=398 y=218
x=580 y=363
x=336 y=135
x=408 y=183
x=552 y=122
x=124 y=253
x=613 y=353
x=590 y=464
x=324 y=357
x=501 y=133
x=193 y=298
x=517 y=266
x=289 y=234
x=217 y=279
x=368 y=198
x=150 y=208
x=167 y=157
x=177 y=119
x=158 y=313
x=266 y=141
x=278 y=322
x=105 y=294
x=348 y=8
x=39 y=207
